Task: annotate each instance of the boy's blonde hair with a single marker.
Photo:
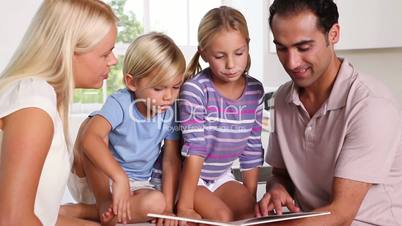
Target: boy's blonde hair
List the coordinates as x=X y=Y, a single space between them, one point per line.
x=59 y=29
x=216 y=20
x=154 y=54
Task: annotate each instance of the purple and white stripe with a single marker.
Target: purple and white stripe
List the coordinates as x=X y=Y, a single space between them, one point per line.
x=221 y=130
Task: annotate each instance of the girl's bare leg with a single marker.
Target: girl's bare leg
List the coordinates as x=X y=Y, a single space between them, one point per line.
x=231 y=201
x=210 y=206
x=238 y=199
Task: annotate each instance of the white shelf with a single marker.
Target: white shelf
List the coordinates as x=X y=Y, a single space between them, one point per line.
x=366 y=24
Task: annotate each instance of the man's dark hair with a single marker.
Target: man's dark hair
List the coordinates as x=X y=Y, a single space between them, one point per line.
x=325 y=10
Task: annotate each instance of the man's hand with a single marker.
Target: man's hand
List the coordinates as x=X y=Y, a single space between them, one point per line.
x=274 y=200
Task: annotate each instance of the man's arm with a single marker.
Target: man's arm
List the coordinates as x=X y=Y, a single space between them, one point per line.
x=347 y=198
x=280 y=176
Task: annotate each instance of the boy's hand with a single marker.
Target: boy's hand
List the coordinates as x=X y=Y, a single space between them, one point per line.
x=121 y=200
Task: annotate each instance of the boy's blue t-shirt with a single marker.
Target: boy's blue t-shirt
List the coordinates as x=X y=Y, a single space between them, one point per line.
x=135 y=141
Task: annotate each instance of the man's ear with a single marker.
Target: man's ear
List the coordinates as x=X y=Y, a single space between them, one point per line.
x=333 y=34
x=130 y=82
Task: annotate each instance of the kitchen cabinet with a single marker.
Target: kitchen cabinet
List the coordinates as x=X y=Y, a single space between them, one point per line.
x=367 y=24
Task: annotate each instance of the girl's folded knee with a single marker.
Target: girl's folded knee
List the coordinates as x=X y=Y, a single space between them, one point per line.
x=224 y=216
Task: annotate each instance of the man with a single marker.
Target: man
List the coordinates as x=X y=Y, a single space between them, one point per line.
x=337 y=142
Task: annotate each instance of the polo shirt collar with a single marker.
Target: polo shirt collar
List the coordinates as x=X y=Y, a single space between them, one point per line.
x=338 y=96
x=340 y=91
x=293 y=95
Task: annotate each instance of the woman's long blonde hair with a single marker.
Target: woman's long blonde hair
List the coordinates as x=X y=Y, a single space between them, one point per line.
x=214 y=21
x=59 y=29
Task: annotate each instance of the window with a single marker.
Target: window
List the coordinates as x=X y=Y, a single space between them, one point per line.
x=177 y=18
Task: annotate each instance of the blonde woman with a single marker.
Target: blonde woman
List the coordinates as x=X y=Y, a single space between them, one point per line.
x=123 y=140
x=68 y=45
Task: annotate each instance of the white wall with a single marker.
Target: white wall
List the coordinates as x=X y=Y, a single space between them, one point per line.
x=358 y=23
x=384 y=63
x=255 y=17
x=15 y=17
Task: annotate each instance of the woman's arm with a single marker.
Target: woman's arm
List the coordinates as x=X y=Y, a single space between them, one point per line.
x=170 y=172
x=27 y=137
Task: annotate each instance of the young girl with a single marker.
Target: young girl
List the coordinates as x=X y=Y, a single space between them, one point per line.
x=55 y=56
x=221 y=113
x=122 y=141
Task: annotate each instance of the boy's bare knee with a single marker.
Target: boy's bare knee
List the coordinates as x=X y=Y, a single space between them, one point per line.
x=154 y=202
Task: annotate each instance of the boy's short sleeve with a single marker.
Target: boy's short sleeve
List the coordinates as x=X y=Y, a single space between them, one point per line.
x=112 y=111
x=174 y=131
